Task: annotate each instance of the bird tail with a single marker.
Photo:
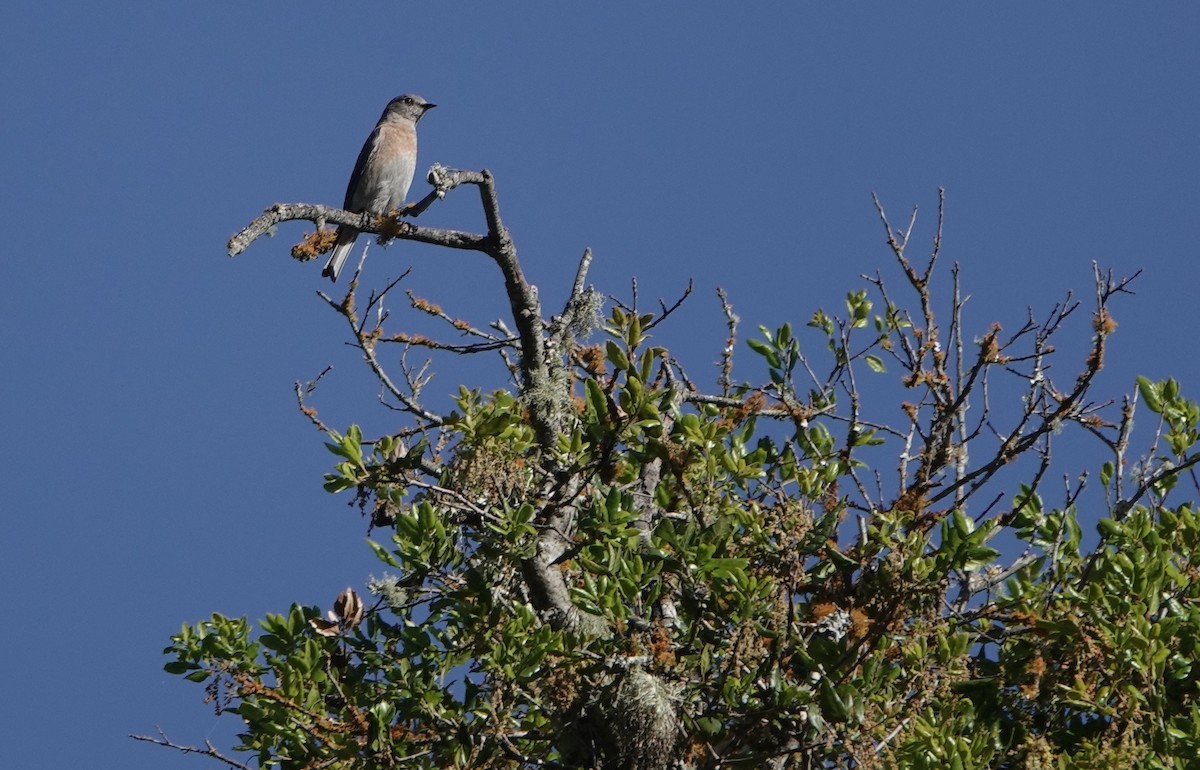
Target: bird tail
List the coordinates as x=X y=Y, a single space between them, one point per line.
x=337 y=260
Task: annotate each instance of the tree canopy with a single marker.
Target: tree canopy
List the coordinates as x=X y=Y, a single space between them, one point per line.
x=856 y=549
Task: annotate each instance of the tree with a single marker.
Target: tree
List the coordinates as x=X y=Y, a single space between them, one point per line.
x=607 y=566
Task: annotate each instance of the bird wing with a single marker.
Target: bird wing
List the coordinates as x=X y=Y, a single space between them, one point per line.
x=355 y=200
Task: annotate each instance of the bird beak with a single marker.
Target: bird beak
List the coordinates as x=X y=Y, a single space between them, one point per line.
x=430 y=106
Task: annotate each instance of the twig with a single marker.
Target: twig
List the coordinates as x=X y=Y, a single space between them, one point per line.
x=428 y=308
x=306 y=390
x=725 y=379
x=665 y=312
x=209 y=750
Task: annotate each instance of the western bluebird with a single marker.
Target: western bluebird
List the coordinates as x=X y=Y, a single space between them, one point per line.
x=383 y=172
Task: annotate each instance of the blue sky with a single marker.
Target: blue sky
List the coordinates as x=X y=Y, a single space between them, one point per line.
x=158 y=469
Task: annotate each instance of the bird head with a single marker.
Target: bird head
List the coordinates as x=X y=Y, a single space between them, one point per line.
x=408 y=107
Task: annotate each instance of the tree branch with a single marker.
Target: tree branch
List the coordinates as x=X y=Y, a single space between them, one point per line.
x=209 y=750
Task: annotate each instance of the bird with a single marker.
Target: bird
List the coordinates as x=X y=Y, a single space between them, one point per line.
x=383 y=172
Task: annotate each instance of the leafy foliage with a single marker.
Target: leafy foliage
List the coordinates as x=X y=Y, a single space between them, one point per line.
x=740 y=586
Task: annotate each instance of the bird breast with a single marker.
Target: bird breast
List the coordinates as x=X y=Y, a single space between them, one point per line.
x=389 y=171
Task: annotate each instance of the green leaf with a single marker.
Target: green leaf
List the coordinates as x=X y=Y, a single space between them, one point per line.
x=616 y=356
x=596 y=400
x=1151 y=394
x=767 y=352
x=384 y=555
x=1106 y=473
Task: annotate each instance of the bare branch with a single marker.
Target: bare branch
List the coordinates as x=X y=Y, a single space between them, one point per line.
x=665 y=312
x=431 y=309
x=390 y=226
x=725 y=379
x=209 y=750
x=580 y=278
x=306 y=390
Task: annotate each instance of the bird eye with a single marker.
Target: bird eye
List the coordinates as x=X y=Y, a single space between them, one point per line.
x=408 y=100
